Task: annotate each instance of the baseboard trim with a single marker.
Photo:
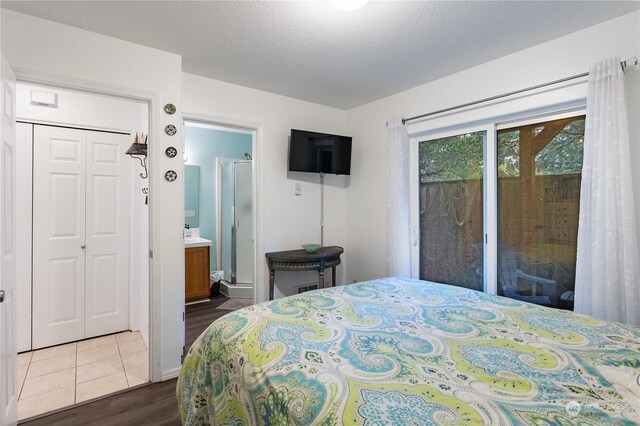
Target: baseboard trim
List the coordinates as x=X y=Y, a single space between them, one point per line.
x=244 y=291
x=170 y=374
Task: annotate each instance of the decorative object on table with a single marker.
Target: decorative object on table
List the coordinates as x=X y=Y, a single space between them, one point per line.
x=170 y=129
x=170 y=109
x=138 y=149
x=171 y=152
x=310 y=248
x=171 y=175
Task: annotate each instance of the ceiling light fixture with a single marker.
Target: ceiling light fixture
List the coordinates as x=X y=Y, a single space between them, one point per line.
x=348 y=4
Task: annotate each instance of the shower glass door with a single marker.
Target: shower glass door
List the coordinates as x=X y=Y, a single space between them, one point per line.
x=244 y=224
x=236 y=251
x=227 y=200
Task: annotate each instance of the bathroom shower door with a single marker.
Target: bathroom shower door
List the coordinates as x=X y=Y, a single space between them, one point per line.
x=227 y=213
x=236 y=249
x=244 y=224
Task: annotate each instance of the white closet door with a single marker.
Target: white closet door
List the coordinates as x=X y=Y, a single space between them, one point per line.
x=81 y=204
x=107 y=240
x=58 y=235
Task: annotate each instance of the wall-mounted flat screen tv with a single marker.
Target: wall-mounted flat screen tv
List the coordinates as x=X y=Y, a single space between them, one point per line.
x=319 y=153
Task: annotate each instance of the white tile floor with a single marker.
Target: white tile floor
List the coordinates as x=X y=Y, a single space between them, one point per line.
x=63 y=375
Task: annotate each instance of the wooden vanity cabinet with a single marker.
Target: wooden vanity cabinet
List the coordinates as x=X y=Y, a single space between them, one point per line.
x=196 y=273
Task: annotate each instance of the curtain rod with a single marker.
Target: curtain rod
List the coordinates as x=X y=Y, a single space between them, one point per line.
x=623 y=65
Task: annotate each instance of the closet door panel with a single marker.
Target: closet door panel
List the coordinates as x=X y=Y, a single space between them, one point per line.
x=108 y=220
x=58 y=235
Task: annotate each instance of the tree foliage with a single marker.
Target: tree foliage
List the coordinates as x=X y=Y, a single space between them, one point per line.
x=461 y=157
x=453 y=158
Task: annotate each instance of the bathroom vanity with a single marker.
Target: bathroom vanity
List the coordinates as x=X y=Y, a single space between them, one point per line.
x=196 y=255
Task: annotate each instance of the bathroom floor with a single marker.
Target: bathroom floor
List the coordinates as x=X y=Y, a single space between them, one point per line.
x=64 y=375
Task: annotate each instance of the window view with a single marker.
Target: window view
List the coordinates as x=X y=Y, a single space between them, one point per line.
x=539 y=172
x=450 y=199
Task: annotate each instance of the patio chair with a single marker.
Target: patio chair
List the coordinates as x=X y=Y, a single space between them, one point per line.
x=509 y=276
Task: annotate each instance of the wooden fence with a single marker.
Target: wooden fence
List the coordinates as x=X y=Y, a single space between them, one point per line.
x=539 y=218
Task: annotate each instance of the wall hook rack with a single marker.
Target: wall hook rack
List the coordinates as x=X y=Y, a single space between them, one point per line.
x=138 y=150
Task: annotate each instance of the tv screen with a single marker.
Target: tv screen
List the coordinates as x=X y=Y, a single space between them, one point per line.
x=319 y=153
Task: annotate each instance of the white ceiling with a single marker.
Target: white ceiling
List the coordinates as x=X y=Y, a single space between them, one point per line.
x=311 y=51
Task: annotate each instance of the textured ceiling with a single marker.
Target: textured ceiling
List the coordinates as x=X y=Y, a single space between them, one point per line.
x=309 y=50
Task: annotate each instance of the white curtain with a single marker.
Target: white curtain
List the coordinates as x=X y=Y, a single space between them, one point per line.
x=398 y=220
x=607 y=276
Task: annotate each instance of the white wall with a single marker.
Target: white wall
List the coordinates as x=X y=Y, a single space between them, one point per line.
x=286 y=220
x=563 y=57
x=44 y=51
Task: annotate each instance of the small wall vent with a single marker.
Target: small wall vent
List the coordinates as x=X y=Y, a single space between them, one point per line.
x=307 y=287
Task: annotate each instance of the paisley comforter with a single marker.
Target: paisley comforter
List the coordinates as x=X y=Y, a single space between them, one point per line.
x=397 y=351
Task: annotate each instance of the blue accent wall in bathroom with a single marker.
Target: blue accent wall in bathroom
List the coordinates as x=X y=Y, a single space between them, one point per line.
x=192 y=195
x=203 y=146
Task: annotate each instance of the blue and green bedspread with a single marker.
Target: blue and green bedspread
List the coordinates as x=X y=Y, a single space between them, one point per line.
x=397 y=351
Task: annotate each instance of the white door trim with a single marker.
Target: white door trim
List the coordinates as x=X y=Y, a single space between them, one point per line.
x=155 y=199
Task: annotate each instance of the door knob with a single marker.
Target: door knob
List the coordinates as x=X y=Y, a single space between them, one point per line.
x=1 y=296
x=83 y=246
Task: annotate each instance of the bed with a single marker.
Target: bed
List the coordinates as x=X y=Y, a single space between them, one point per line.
x=397 y=351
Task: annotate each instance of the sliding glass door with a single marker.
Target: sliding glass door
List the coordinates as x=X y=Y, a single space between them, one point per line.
x=523 y=226
x=450 y=200
x=539 y=173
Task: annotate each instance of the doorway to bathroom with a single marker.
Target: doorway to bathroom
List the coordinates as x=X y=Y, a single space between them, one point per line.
x=219 y=211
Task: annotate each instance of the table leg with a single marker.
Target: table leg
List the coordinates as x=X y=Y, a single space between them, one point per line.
x=321 y=280
x=272 y=278
x=333 y=276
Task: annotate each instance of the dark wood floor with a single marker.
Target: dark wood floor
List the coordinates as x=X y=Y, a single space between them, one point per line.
x=153 y=404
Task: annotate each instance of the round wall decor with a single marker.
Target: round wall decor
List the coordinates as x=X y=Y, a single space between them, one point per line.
x=171 y=152
x=171 y=175
x=170 y=130
x=170 y=109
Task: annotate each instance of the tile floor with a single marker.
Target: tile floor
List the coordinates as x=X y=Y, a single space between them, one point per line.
x=63 y=375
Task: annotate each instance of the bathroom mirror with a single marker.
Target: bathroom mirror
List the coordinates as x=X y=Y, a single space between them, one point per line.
x=192 y=196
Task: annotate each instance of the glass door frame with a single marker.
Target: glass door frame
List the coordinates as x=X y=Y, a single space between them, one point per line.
x=489 y=181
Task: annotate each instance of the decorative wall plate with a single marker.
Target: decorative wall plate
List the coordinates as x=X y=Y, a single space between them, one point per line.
x=171 y=175
x=170 y=130
x=171 y=152
x=170 y=109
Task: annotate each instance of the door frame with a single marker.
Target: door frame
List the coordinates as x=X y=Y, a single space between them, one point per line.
x=243 y=126
x=155 y=201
